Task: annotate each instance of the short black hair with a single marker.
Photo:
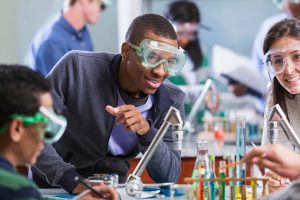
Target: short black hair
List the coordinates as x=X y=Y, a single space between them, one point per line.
x=20 y=89
x=149 y=23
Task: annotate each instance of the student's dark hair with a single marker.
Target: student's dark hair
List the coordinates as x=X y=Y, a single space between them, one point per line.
x=70 y=2
x=187 y=12
x=20 y=89
x=149 y=23
x=284 y=28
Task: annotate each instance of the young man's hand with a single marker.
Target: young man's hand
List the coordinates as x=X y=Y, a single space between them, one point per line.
x=107 y=191
x=276 y=182
x=130 y=117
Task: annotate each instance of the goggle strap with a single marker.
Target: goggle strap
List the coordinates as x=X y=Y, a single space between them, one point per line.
x=28 y=120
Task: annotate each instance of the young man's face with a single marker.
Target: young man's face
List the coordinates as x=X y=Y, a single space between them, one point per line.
x=31 y=143
x=144 y=79
x=92 y=10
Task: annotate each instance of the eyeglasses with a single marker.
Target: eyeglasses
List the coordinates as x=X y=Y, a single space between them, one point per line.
x=277 y=59
x=280 y=3
x=153 y=53
x=55 y=125
x=186 y=30
x=103 y=4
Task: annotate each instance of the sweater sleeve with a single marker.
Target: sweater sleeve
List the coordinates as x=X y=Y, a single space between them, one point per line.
x=49 y=163
x=57 y=172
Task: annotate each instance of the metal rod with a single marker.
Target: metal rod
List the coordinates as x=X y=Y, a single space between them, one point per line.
x=199 y=100
x=172 y=117
x=288 y=129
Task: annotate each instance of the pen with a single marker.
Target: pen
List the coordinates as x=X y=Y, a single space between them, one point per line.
x=231 y=165
x=239 y=162
x=88 y=186
x=252 y=143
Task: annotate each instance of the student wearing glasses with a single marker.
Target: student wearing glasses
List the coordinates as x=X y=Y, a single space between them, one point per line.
x=27 y=121
x=186 y=19
x=115 y=103
x=282 y=59
x=68 y=31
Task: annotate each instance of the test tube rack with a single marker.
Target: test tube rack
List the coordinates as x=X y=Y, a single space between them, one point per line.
x=245 y=180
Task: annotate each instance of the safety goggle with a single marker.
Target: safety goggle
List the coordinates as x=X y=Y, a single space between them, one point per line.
x=280 y=3
x=187 y=30
x=55 y=124
x=104 y=3
x=153 y=53
x=277 y=59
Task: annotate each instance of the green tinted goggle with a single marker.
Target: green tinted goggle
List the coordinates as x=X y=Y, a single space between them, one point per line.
x=55 y=124
x=153 y=53
x=279 y=3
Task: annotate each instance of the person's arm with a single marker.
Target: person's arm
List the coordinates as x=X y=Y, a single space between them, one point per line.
x=51 y=167
x=50 y=164
x=108 y=192
x=277 y=158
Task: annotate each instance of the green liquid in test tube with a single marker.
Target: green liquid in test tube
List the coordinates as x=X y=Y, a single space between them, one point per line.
x=222 y=175
x=231 y=172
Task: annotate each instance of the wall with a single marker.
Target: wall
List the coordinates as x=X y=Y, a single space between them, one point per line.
x=38 y=12
x=8 y=34
x=233 y=22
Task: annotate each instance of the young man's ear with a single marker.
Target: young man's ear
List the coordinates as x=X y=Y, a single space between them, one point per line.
x=125 y=50
x=16 y=130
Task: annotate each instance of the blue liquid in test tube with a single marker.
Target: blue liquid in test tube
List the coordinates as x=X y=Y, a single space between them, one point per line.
x=240 y=145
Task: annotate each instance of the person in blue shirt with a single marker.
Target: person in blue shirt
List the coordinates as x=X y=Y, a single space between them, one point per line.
x=66 y=32
x=25 y=124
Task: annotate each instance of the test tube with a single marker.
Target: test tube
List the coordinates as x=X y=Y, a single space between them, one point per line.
x=243 y=183
x=253 y=183
x=240 y=142
x=222 y=173
x=232 y=175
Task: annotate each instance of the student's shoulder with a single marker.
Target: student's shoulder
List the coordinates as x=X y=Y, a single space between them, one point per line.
x=14 y=181
x=87 y=55
x=172 y=88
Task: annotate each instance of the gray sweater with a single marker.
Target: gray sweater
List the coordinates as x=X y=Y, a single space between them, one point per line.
x=83 y=84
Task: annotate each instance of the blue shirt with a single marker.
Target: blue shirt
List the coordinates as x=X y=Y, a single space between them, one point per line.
x=55 y=40
x=13 y=185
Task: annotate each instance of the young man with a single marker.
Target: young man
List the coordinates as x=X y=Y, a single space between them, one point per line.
x=115 y=104
x=67 y=32
x=26 y=122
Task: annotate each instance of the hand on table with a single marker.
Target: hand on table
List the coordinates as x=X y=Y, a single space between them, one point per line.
x=107 y=191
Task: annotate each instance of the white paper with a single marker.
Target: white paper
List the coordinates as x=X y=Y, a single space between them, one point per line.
x=237 y=67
